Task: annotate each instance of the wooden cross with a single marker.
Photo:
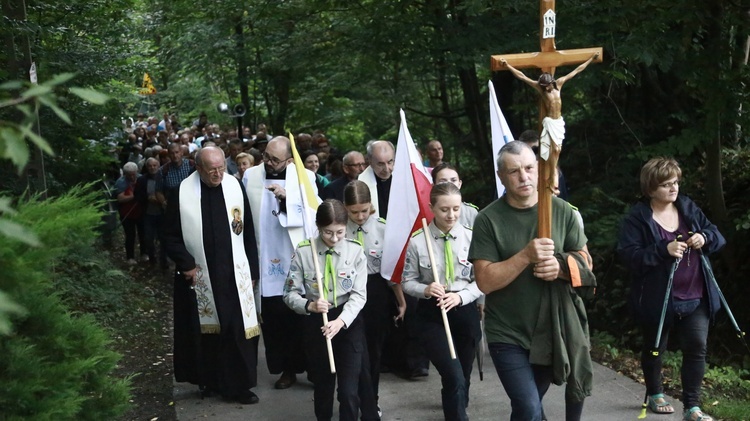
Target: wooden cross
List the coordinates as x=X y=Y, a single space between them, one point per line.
x=546 y=60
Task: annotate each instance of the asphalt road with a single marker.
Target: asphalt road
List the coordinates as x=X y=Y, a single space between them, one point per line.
x=615 y=397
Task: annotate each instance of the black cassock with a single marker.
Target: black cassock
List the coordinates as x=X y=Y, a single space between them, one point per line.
x=225 y=362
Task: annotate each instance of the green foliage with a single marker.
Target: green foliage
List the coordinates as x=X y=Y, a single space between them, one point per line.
x=56 y=364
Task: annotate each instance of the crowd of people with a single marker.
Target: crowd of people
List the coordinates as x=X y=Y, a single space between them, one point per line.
x=222 y=207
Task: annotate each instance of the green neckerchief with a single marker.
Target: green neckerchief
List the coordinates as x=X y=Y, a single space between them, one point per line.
x=360 y=236
x=330 y=276
x=449 y=270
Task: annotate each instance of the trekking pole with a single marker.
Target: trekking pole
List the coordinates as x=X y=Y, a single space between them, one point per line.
x=740 y=333
x=655 y=351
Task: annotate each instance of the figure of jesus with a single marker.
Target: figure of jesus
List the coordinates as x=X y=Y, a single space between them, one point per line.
x=553 y=125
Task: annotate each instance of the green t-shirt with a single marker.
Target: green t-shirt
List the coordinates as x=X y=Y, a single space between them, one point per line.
x=501 y=231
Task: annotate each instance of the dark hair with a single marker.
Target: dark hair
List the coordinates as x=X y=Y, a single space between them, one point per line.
x=546 y=79
x=356 y=193
x=443 y=189
x=440 y=167
x=331 y=211
x=306 y=154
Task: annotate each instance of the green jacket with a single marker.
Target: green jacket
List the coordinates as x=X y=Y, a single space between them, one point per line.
x=561 y=338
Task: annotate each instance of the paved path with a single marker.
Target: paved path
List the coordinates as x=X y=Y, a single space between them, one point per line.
x=615 y=397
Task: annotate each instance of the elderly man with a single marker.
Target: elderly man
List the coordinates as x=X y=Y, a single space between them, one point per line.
x=273 y=189
x=353 y=166
x=211 y=238
x=148 y=192
x=535 y=322
x=131 y=211
x=380 y=155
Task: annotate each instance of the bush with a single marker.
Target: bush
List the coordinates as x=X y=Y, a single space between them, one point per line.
x=55 y=365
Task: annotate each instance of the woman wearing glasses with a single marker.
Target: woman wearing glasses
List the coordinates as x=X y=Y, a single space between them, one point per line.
x=663 y=237
x=344 y=277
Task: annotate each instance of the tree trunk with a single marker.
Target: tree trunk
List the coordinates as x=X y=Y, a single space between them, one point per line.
x=477 y=115
x=242 y=70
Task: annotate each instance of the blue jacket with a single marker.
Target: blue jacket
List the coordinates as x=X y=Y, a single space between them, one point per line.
x=641 y=248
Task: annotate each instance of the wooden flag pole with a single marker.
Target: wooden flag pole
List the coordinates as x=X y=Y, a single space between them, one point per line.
x=321 y=293
x=435 y=277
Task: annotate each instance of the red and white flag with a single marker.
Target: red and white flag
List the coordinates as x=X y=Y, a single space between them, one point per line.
x=500 y=133
x=408 y=203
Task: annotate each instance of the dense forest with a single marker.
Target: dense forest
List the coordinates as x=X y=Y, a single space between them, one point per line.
x=673 y=81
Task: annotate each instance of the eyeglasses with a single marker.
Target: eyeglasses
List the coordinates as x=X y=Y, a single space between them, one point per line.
x=216 y=171
x=669 y=185
x=273 y=160
x=361 y=165
x=333 y=234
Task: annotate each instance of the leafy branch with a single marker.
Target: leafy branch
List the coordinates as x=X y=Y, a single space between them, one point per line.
x=14 y=145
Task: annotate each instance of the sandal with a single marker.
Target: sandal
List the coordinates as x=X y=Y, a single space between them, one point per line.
x=695 y=414
x=658 y=405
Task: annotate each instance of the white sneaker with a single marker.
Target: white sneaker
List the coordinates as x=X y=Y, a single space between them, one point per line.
x=131 y=262
x=144 y=258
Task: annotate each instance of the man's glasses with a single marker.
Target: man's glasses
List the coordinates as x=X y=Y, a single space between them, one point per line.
x=360 y=165
x=273 y=160
x=217 y=170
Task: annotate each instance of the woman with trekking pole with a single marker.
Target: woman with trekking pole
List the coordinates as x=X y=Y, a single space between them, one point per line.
x=661 y=242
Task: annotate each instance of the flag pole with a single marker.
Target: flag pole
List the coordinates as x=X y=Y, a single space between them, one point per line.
x=307 y=195
x=321 y=294
x=447 y=326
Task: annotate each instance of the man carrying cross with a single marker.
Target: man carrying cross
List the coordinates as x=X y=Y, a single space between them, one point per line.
x=535 y=322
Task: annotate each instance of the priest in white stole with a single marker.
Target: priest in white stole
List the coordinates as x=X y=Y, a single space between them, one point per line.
x=210 y=235
x=274 y=195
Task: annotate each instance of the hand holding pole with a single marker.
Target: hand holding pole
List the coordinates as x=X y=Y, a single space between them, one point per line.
x=448 y=335
x=321 y=293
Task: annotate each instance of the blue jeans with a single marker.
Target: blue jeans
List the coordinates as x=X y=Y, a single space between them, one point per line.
x=692 y=333
x=526 y=383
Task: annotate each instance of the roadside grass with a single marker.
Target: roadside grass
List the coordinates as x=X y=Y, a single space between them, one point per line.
x=726 y=389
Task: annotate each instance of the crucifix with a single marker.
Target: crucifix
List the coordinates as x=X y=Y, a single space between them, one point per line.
x=550 y=104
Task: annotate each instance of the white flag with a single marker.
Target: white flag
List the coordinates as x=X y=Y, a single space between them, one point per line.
x=500 y=134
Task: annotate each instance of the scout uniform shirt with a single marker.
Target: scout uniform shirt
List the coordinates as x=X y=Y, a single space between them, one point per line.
x=468 y=214
x=347 y=280
x=418 y=271
x=371 y=235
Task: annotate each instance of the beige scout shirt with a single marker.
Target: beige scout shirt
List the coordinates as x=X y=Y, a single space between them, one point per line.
x=418 y=270
x=350 y=267
x=468 y=214
x=373 y=232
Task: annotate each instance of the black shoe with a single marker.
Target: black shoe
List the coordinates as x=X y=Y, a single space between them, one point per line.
x=286 y=381
x=247 y=398
x=419 y=372
x=205 y=391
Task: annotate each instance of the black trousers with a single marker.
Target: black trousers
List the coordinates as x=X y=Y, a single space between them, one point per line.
x=377 y=316
x=131 y=226
x=352 y=370
x=282 y=336
x=455 y=375
x=403 y=350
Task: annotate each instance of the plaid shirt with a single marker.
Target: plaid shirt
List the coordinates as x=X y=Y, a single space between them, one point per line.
x=172 y=176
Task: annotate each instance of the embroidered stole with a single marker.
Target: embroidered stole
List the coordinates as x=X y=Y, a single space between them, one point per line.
x=192 y=232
